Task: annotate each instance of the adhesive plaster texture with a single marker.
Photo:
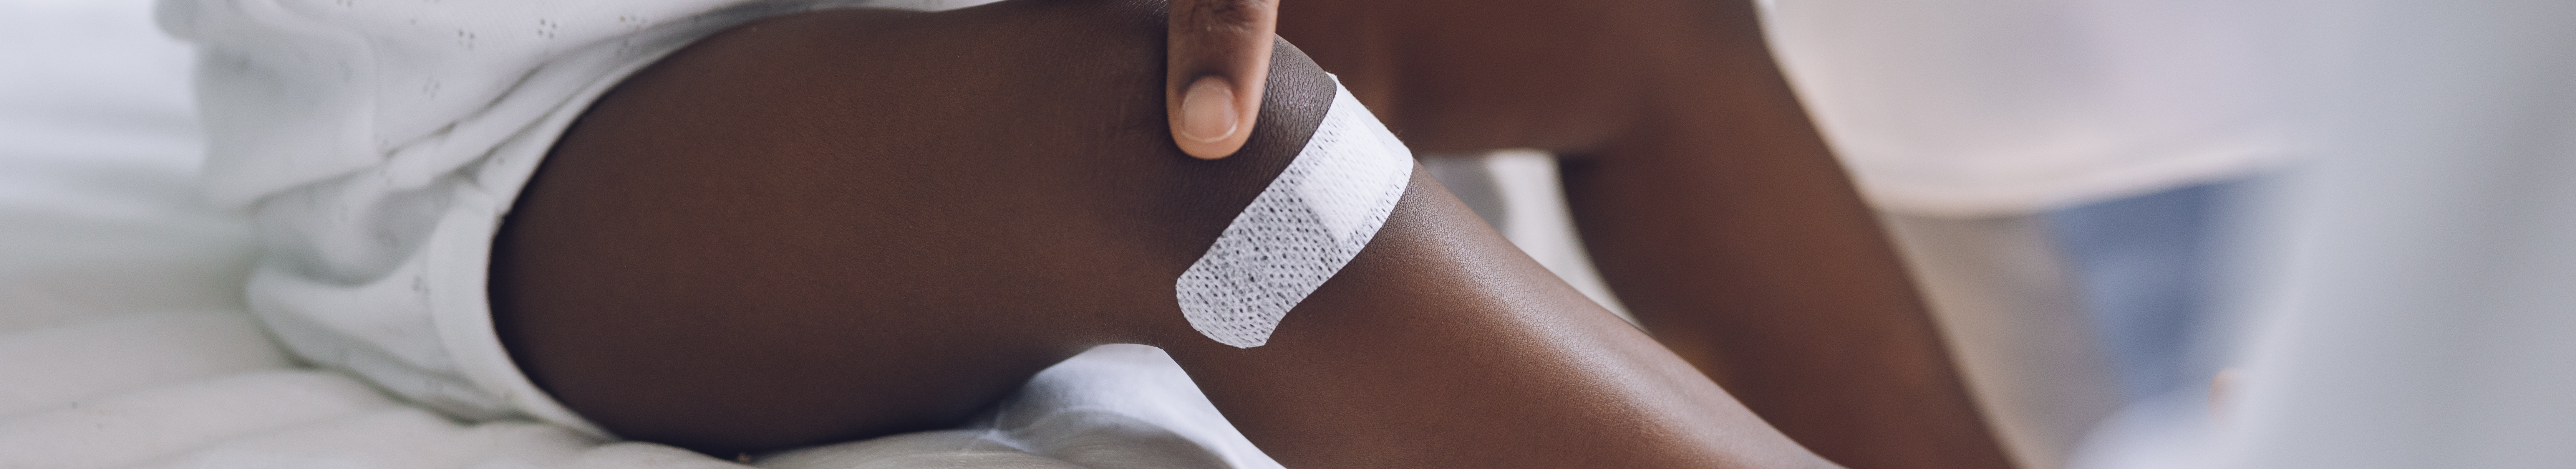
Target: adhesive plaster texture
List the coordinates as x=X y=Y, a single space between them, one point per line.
x=1300 y=231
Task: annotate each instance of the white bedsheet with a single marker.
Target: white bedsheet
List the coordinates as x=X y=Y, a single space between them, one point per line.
x=123 y=340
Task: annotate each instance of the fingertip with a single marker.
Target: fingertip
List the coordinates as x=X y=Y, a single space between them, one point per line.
x=1219 y=60
x=1210 y=122
x=1208 y=113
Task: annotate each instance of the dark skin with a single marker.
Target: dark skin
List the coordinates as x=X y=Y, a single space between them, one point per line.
x=1702 y=191
x=807 y=230
x=744 y=245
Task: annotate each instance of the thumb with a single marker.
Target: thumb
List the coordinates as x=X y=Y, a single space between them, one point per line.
x=1220 y=58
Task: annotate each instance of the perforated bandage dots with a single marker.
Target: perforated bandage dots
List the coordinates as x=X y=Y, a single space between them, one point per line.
x=1300 y=231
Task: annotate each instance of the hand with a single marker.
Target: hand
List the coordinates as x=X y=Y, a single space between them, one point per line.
x=1220 y=57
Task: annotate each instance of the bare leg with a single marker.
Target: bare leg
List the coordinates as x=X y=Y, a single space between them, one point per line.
x=1706 y=197
x=802 y=231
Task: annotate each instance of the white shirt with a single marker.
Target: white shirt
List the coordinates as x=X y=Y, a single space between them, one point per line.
x=1966 y=108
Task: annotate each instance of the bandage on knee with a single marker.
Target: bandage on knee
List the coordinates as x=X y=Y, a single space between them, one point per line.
x=1301 y=230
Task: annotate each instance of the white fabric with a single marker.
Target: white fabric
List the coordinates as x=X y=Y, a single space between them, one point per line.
x=1309 y=222
x=1121 y=405
x=377 y=146
x=2409 y=300
x=2426 y=292
x=1971 y=108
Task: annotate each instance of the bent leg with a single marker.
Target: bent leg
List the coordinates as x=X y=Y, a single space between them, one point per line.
x=1704 y=194
x=844 y=224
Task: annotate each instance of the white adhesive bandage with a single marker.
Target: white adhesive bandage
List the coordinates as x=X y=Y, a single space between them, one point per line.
x=1300 y=231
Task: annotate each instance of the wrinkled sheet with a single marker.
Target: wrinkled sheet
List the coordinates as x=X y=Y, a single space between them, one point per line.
x=124 y=341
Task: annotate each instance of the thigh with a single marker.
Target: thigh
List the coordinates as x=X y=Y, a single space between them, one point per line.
x=851 y=223
x=845 y=224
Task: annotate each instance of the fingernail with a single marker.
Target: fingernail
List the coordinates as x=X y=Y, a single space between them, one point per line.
x=1207 y=111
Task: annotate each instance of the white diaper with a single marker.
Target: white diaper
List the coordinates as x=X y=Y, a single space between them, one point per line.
x=378 y=144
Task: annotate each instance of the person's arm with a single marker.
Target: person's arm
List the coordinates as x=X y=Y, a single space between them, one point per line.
x=1704 y=194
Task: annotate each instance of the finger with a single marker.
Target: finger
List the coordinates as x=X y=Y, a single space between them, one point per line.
x=1220 y=58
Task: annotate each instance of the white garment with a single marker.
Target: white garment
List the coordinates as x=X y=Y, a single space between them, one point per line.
x=377 y=146
x=2426 y=284
x=1976 y=108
